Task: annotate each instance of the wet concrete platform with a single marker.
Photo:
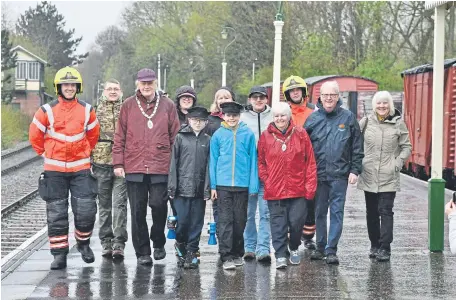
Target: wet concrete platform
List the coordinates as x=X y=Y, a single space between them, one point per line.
x=412 y=273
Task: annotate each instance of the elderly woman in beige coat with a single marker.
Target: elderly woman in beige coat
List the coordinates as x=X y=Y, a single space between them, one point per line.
x=386 y=148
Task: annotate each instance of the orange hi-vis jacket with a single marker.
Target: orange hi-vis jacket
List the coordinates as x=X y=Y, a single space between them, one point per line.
x=300 y=112
x=64 y=133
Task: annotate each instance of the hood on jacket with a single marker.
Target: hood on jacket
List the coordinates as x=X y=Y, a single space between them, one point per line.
x=241 y=126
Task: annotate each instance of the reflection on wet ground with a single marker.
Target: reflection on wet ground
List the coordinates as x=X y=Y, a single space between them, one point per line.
x=413 y=272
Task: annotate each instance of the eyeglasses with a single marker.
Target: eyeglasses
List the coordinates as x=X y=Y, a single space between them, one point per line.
x=258 y=98
x=197 y=120
x=329 y=95
x=113 y=90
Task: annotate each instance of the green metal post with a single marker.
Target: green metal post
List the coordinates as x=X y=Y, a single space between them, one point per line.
x=436 y=203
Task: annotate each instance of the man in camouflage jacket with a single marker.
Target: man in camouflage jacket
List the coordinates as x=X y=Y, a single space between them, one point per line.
x=112 y=191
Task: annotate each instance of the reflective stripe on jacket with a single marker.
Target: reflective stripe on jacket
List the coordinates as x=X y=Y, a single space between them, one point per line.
x=64 y=133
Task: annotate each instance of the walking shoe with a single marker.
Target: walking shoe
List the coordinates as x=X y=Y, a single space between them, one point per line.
x=198 y=254
x=159 y=253
x=383 y=255
x=310 y=244
x=107 y=250
x=191 y=261
x=180 y=249
x=281 y=263
x=265 y=258
x=295 y=259
x=86 y=253
x=249 y=255
x=238 y=261
x=60 y=262
x=373 y=252
x=118 y=252
x=332 y=259
x=229 y=265
x=317 y=255
x=145 y=260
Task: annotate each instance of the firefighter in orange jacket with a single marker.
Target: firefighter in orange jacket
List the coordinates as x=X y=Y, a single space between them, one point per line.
x=295 y=91
x=64 y=132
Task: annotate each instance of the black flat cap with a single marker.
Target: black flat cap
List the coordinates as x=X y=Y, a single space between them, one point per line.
x=197 y=112
x=231 y=107
x=258 y=90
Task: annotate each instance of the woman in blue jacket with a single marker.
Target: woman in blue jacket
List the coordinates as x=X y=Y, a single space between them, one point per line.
x=233 y=170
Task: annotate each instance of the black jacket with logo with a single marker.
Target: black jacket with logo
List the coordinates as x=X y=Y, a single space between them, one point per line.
x=337 y=142
x=188 y=173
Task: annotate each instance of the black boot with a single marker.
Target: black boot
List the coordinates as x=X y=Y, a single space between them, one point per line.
x=60 y=262
x=86 y=253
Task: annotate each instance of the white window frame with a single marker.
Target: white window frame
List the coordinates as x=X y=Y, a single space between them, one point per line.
x=29 y=70
x=21 y=70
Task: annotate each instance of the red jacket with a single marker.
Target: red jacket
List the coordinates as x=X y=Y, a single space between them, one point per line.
x=139 y=149
x=65 y=132
x=291 y=173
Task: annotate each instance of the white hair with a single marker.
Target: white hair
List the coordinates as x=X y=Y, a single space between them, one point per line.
x=384 y=96
x=281 y=108
x=330 y=84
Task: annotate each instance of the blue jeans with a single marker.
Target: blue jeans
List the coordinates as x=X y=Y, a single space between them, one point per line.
x=330 y=194
x=257 y=242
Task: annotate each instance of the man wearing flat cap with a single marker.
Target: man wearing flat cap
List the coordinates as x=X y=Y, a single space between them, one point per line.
x=147 y=126
x=233 y=171
x=188 y=184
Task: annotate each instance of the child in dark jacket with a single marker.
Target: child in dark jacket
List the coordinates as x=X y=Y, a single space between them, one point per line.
x=233 y=172
x=188 y=184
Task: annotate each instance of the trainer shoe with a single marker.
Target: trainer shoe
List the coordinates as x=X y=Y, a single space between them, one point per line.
x=145 y=260
x=265 y=258
x=373 y=252
x=383 y=255
x=317 y=255
x=238 y=261
x=191 y=261
x=159 y=253
x=118 y=252
x=249 y=255
x=281 y=263
x=332 y=259
x=86 y=253
x=107 y=250
x=60 y=262
x=295 y=259
x=229 y=265
x=310 y=244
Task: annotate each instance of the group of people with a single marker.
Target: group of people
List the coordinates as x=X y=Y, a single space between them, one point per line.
x=291 y=162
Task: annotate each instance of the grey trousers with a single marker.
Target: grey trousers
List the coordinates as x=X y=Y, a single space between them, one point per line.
x=112 y=207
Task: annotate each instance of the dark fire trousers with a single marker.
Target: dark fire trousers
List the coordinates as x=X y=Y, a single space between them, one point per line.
x=308 y=231
x=287 y=216
x=139 y=195
x=190 y=221
x=53 y=188
x=232 y=217
x=379 y=217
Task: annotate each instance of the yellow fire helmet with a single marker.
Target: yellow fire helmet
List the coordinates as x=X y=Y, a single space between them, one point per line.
x=293 y=82
x=68 y=75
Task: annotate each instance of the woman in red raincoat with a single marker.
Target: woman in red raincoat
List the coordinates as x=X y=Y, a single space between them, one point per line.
x=288 y=171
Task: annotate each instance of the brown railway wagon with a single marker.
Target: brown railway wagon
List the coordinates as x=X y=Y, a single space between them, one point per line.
x=354 y=90
x=418 y=117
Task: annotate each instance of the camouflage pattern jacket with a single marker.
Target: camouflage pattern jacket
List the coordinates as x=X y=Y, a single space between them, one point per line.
x=107 y=114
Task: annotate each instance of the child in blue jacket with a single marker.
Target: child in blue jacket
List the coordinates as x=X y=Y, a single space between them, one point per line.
x=233 y=170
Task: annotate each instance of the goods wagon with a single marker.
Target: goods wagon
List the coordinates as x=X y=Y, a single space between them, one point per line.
x=418 y=117
x=355 y=91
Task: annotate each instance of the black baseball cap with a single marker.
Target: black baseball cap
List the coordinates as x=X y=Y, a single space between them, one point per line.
x=258 y=90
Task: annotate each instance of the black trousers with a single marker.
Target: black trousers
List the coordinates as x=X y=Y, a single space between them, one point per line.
x=308 y=231
x=232 y=217
x=54 y=188
x=286 y=216
x=190 y=221
x=379 y=217
x=140 y=194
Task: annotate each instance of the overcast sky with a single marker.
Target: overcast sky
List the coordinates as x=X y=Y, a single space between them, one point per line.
x=88 y=18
